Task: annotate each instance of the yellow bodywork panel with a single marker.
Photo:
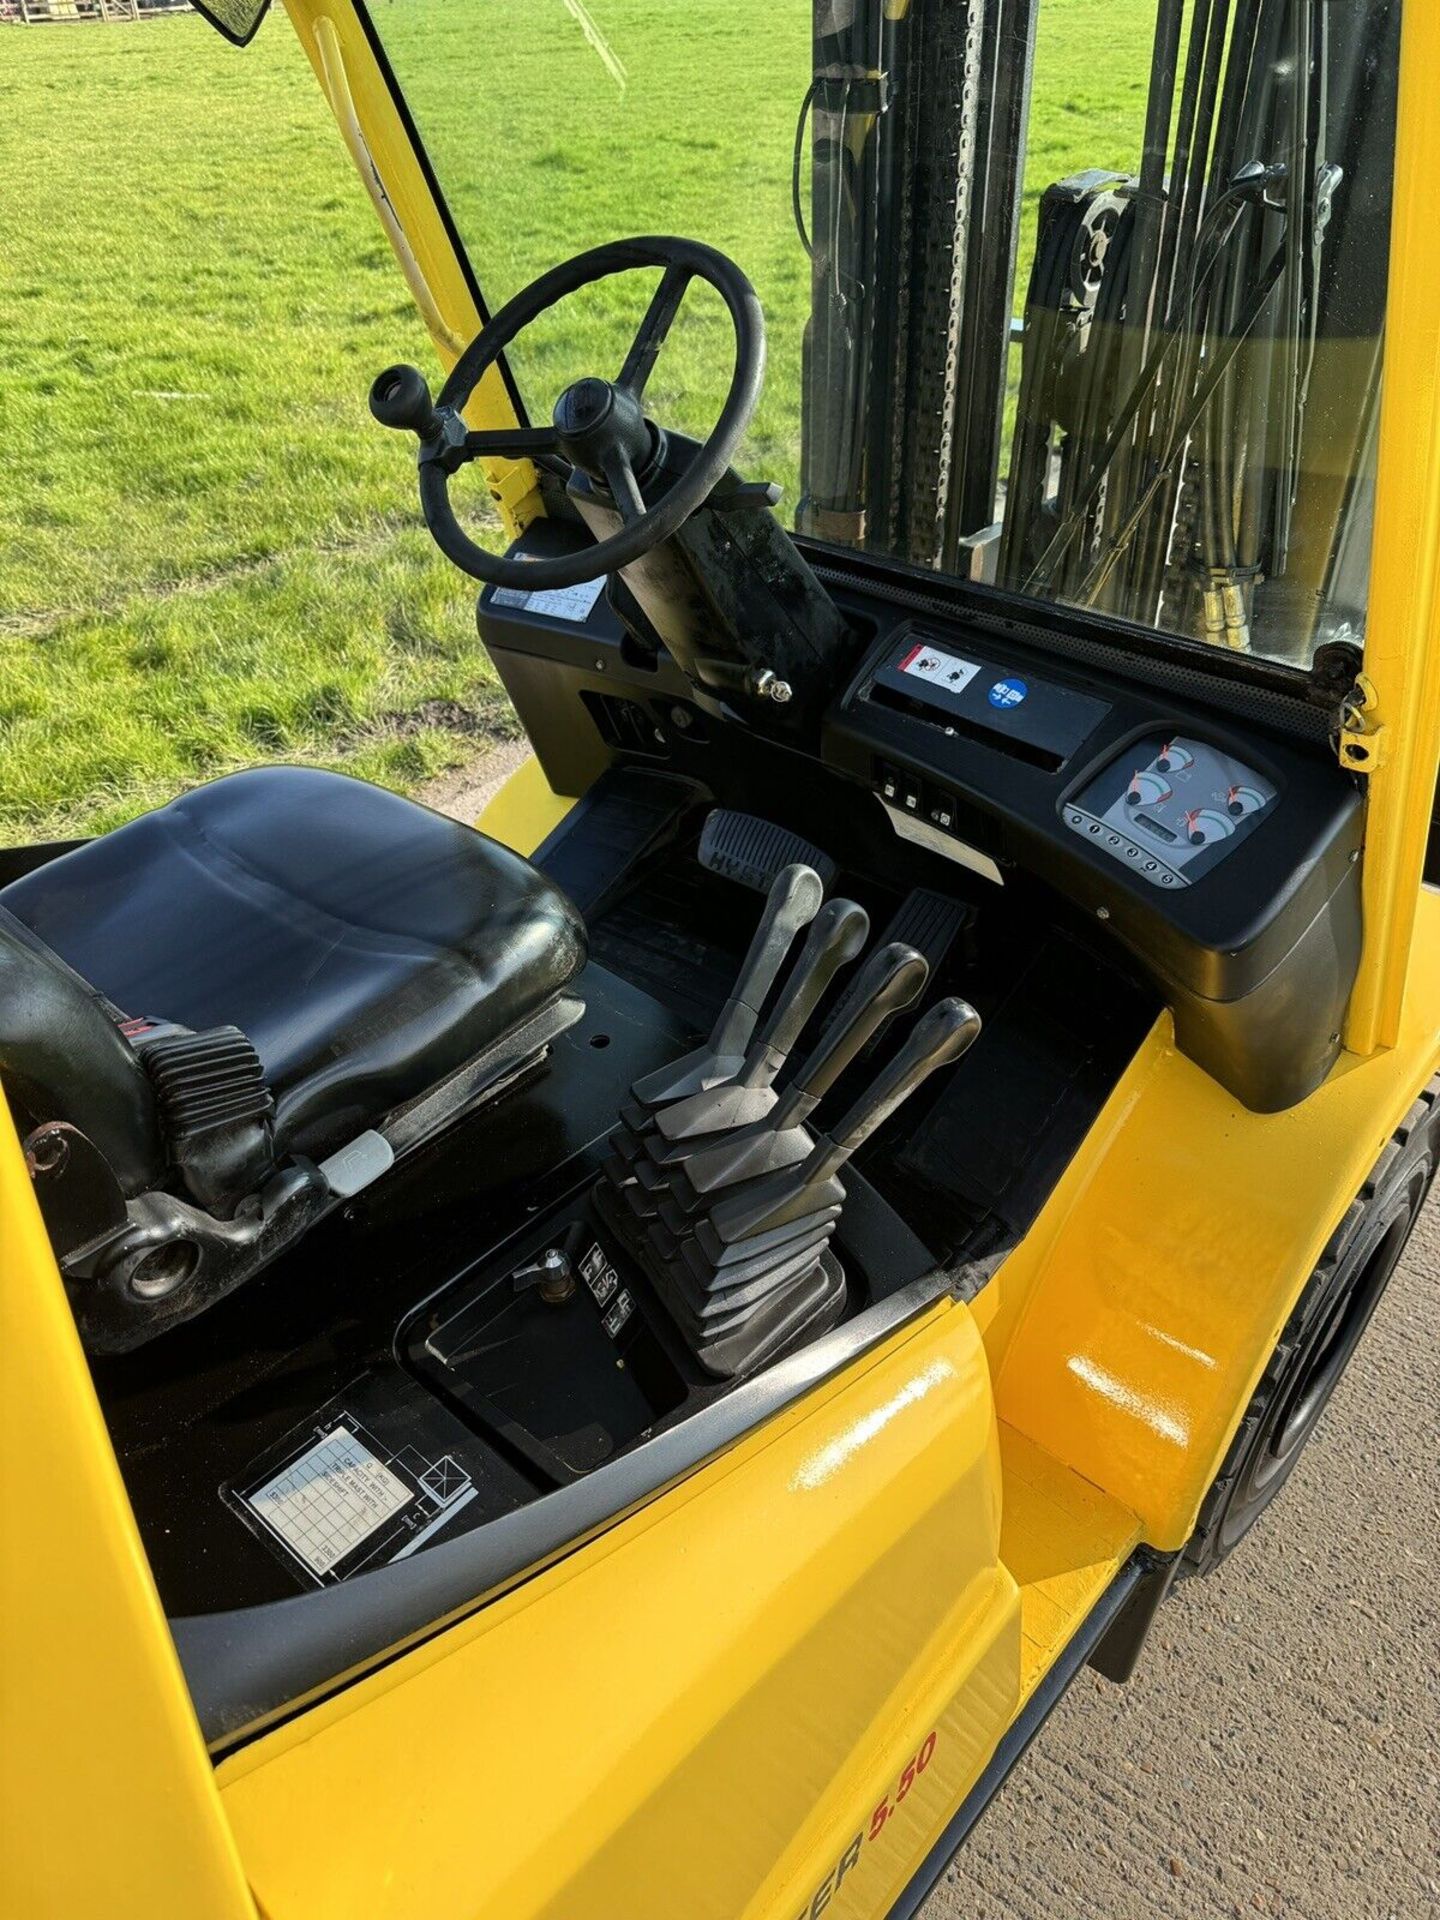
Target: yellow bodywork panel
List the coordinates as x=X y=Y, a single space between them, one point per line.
x=1129 y=1330
x=1402 y=635
x=699 y=1712
x=108 y=1805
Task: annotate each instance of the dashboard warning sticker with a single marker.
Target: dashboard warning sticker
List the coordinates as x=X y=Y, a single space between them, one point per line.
x=556 y=603
x=332 y=1498
x=941 y=669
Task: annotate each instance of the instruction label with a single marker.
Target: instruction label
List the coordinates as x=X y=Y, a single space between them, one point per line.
x=556 y=603
x=599 y=1276
x=329 y=1501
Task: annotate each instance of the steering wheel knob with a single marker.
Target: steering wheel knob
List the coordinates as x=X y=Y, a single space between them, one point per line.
x=400 y=397
x=598 y=423
x=584 y=406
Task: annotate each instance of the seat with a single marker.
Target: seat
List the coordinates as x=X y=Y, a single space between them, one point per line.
x=366 y=946
x=368 y=949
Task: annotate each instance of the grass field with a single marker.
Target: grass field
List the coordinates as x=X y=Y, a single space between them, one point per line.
x=208 y=554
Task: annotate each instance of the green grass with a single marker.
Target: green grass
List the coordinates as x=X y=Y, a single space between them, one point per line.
x=208 y=553
x=700 y=142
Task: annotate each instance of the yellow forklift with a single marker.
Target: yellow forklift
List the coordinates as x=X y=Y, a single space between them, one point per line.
x=614 y=1366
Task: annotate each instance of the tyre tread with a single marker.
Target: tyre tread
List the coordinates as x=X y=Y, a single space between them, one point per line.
x=1203 y=1552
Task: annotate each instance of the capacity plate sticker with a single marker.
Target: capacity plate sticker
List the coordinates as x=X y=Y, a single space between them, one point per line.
x=330 y=1500
x=941 y=669
x=556 y=603
x=369 y=1478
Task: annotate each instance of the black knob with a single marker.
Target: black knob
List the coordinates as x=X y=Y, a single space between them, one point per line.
x=597 y=421
x=400 y=397
x=584 y=405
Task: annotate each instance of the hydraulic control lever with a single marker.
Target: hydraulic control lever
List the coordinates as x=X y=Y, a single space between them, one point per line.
x=794 y=900
x=729 y=1199
x=837 y=934
x=891 y=980
x=786 y=1199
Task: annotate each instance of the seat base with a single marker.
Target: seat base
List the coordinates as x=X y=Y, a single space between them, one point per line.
x=144 y=1265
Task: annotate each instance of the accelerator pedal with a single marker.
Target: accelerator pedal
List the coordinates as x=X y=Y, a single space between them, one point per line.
x=933 y=925
x=742 y=847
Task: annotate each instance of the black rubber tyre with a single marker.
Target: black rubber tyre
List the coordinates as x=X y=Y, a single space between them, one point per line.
x=1320 y=1337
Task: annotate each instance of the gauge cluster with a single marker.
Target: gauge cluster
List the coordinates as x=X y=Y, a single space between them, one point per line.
x=1171 y=808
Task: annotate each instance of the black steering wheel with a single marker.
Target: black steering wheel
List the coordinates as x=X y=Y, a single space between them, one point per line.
x=599 y=426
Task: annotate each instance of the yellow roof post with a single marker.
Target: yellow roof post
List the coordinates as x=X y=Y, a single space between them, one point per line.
x=1402 y=647
x=390 y=170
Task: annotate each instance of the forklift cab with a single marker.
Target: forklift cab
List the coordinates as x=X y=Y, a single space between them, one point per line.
x=617 y=1363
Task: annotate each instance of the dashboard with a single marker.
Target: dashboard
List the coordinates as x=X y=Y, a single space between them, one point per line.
x=1173 y=806
x=1222 y=850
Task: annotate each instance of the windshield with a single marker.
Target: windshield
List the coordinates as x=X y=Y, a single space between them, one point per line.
x=1080 y=298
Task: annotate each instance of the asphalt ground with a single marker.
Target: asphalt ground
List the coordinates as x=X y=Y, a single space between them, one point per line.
x=1278 y=1751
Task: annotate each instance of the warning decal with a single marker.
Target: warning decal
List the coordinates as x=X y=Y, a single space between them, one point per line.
x=941 y=669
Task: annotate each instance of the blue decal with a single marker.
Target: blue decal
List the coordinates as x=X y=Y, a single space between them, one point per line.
x=1008 y=693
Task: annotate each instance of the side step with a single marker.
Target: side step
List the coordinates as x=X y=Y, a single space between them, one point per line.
x=1074 y=1554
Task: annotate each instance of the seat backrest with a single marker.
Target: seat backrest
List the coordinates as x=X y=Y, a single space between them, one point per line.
x=63 y=1057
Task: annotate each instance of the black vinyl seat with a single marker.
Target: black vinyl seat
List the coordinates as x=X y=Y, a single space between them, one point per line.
x=367 y=947
x=219 y=1020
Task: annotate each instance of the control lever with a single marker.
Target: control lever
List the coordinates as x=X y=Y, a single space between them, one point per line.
x=786 y=1199
x=793 y=901
x=752 y=1256
x=837 y=934
x=552 y=1276
x=891 y=979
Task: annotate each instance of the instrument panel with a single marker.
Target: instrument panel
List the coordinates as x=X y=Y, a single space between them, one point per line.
x=1179 y=813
